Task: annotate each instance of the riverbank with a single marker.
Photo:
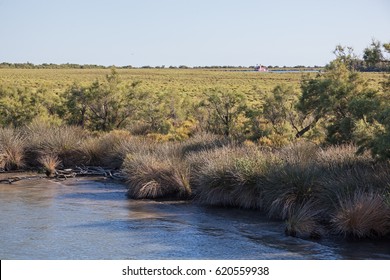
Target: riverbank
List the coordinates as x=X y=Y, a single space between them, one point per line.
x=317 y=191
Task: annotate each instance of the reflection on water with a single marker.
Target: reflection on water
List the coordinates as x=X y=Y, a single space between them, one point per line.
x=95 y=220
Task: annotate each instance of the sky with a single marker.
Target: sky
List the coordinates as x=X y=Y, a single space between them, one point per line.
x=188 y=32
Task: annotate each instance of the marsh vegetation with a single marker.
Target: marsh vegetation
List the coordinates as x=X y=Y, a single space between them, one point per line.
x=309 y=149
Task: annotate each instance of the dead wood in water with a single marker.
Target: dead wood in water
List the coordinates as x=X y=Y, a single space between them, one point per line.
x=13 y=179
x=64 y=174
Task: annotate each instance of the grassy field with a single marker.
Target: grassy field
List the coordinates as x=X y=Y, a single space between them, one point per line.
x=180 y=80
x=187 y=83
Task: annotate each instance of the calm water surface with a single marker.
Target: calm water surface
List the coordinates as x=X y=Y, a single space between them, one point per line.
x=87 y=219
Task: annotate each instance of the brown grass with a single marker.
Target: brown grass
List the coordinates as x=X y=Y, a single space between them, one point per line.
x=289 y=186
x=110 y=149
x=156 y=175
x=229 y=176
x=63 y=141
x=12 y=146
x=342 y=156
x=362 y=215
x=50 y=163
x=302 y=221
x=202 y=142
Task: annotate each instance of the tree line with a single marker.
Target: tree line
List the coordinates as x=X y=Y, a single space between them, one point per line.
x=336 y=106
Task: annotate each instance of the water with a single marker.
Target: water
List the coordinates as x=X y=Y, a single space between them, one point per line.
x=86 y=219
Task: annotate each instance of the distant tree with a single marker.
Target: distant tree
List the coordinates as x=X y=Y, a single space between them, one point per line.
x=77 y=100
x=386 y=46
x=327 y=98
x=373 y=128
x=224 y=107
x=279 y=108
x=347 y=56
x=103 y=105
x=373 y=55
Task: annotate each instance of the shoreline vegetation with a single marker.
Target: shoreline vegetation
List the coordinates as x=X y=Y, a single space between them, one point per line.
x=309 y=149
x=318 y=191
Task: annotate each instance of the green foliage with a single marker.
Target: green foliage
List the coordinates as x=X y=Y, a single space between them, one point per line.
x=338 y=105
x=102 y=106
x=224 y=108
x=18 y=106
x=346 y=56
x=386 y=46
x=282 y=117
x=373 y=55
x=335 y=97
x=372 y=129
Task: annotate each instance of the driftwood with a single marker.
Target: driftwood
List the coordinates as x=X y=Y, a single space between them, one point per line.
x=78 y=171
x=84 y=171
x=11 y=180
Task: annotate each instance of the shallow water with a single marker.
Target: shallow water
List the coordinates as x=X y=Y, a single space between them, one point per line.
x=86 y=219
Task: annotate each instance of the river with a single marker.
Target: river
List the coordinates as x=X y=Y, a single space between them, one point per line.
x=93 y=219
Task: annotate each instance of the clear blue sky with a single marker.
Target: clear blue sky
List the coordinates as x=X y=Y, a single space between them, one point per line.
x=188 y=32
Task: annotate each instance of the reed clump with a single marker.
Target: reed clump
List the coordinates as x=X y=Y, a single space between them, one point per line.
x=12 y=149
x=157 y=174
x=50 y=163
x=303 y=221
x=229 y=176
x=108 y=150
x=362 y=215
x=203 y=142
x=62 y=141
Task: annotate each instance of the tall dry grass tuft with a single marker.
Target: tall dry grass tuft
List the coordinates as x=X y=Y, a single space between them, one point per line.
x=12 y=148
x=294 y=181
x=300 y=153
x=125 y=146
x=362 y=215
x=202 y=142
x=63 y=141
x=106 y=150
x=288 y=186
x=92 y=151
x=228 y=176
x=342 y=183
x=50 y=163
x=309 y=172
x=302 y=221
x=337 y=157
x=156 y=174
